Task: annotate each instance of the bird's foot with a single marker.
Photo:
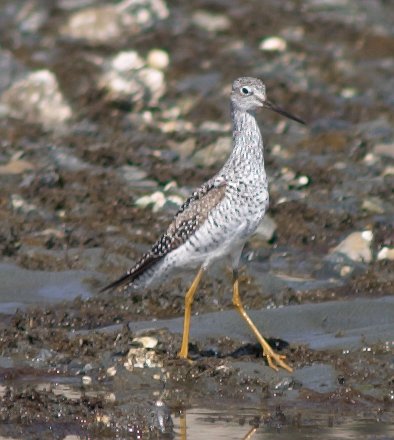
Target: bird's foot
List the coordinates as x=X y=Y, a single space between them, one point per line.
x=275 y=360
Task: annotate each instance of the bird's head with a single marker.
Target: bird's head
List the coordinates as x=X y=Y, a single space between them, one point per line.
x=248 y=94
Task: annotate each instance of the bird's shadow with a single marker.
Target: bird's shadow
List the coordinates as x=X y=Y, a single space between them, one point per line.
x=249 y=349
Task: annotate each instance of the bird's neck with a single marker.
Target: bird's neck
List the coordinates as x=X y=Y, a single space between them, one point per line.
x=247 y=140
x=245 y=129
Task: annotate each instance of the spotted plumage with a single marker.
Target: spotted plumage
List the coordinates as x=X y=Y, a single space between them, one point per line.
x=219 y=217
x=190 y=216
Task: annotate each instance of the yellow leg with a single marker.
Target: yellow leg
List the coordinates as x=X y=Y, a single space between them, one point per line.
x=182 y=425
x=250 y=434
x=274 y=360
x=188 y=308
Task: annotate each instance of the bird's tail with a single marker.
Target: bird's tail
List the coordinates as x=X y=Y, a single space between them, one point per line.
x=145 y=262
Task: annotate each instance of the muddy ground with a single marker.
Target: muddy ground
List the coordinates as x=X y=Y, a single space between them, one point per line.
x=91 y=174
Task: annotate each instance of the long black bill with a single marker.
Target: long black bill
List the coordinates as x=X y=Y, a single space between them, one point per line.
x=274 y=108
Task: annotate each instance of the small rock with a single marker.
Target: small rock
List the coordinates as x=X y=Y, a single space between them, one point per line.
x=44 y=355
x=357 y=247
x=302 y=181
x=146 y=341
x=179 y=126
x=267 y=228
x=109 y=23
x=37 y=99
x=386 y=253
x=160 y=418
x=286 y=383
x=211 y=22
x=111 y=371
x=126 y=60
x=141 y=358
x=132 y=173
x=373 y=204
x=370 y=159
x=110 y=397
x=156 y=201
x=185 y=148
x=86 y=380
x=21 y=206
x=389 y=170
x=214 y=153
x=65 y=160
x=386 y=150
x=345 y=271
x=17 y=166
x=273 y=44
x=348 y=92
x=158 y=59
x=104 y=419
x=214 y=126
x=126 y=77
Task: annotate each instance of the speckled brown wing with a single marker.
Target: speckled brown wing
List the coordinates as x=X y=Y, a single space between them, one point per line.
x=191 y=215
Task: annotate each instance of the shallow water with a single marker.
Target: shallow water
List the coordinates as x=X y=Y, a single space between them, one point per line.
x=198 y=423
x=90 y=174
x=20 y=288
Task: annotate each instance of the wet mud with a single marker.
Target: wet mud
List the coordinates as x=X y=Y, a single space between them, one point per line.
x=90 y=175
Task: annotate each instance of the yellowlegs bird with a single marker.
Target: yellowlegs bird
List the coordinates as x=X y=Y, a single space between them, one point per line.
x=219 y=216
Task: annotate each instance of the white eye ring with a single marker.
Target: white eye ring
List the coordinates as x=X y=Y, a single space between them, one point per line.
x=245 y=90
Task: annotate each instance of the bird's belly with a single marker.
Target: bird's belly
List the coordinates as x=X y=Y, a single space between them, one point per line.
x=226 y=228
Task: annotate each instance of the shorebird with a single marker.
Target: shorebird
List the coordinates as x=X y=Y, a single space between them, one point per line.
x=219 y=216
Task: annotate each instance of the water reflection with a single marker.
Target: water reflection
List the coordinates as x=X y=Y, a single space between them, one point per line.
x=198 y=423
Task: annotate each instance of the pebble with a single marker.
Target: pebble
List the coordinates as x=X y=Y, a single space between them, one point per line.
x=110 y=397
x=108 y=23
x=141 y=358
x=145 y=341
x=348 y=92
x=126 y=77
x=214 y=126
x=389 y=170
x=132 y=173
x=156 y=201
x=37 y=99
x=210 y=22
x=20 y=205
x=104 y=419
x=356 y=246
x=17 y=166
x=87 y=380
x=345 y=271
x=273 y=44
x=215 y=153
x=267 y=228
x=111 y=371
x=386 y=253
x=65 y=160
x=158 y=59
x=185 y=148
x=386 y=150
x=373 y=204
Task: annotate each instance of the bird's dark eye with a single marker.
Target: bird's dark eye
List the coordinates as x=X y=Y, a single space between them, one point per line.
x=246 y=91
